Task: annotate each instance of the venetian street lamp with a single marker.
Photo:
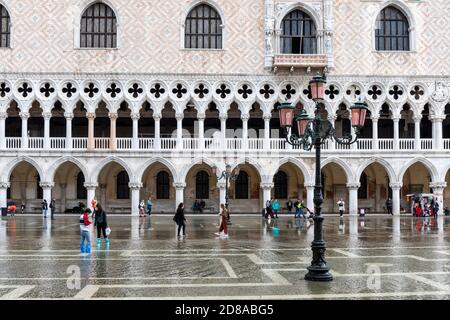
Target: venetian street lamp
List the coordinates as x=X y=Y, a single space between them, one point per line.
x=313 y=132
x=229 y=175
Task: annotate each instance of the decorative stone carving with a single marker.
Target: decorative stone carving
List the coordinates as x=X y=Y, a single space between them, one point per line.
x=179 y=185
x=4 y=185
x=135 y=185
x=46 y=185
x=396 y=185
x=91 y=185
x=440 y=92
x=354 y=185
x=267 y=185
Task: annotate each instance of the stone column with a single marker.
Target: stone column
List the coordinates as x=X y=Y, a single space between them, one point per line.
x=437 y=141
x=267 y=118
x=222 y=192
x=179 y=193
x=90 y=187
x=113 y=139
x=3 y=116
x=179 y=117
x=4 y=194
x=375 y=133
x=157 y=118
x=135 y=192
x=47 y=190
x=91 y=141
x=332 y=144
x=135 y=117
x=201 y=130
x=353 y=198
x=396 y=133
x=396 y=186
x=69 y=116
x=310 y=196
x=47 y=116
x=223 y=129
x=24 y=116
x=438 y=192
x=267 y=191
x=245 y=118
x=417 y=145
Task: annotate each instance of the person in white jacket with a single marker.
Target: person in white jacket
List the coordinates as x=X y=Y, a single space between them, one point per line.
x=341 y=205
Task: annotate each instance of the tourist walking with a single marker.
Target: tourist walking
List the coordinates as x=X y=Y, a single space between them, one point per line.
x=289 y=205
x=180 y=220
x=436 y=208
x=141 y=209
x=45 y=208
x=22 y=207
x=52 y=208
x=269 y=211
x=341 y=205
x=389 y=206
x=149 y=206
x=101 y=223
x=223 y=229
x=85 y=231
x=276 y=208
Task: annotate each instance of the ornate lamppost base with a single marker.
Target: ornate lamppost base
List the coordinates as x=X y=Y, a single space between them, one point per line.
x=318 y=274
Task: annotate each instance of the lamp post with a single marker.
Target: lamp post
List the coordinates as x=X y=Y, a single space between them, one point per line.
x=313 y=132
x=228 y=175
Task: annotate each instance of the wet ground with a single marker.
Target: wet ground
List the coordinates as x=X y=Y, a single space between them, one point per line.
x=378 y=257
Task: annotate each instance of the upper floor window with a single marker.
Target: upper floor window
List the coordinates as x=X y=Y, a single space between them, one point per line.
x=298 y=34
x=98 y=27
x=203 y=28
x=5 y=28
x=392 y=30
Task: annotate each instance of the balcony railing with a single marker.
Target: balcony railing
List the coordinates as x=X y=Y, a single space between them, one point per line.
x=37 y=143
x=300 y=60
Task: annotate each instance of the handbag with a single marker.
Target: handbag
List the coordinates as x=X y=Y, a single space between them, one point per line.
x=108 y=231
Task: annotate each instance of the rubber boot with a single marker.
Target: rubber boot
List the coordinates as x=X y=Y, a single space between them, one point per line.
x=88 y=249
x=98 y=242
x=107 y=242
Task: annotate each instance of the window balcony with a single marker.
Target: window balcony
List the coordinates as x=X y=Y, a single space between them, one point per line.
x=300 y=60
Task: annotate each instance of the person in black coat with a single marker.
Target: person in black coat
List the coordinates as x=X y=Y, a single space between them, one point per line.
x=180 y=219
x=101 y=223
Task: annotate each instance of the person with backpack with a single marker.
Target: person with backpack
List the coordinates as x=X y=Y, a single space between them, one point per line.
x=85 y=230
x=101 y=223
x=180 y=219
x=149 y=206
x=269 y=211
x=45 y=208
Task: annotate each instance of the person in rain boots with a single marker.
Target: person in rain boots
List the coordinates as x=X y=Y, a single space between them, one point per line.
x=101 y=223
x=85 y=229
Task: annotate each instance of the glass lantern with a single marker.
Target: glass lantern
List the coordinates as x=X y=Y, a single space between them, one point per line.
x=359 y=111
x=286 y=113
x=317 y=87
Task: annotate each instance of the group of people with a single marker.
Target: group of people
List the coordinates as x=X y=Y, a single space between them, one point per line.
x=180 y=221
x=426 y=207
x=273 y=208
x=45 y=208
x=143 y=206
x=199 y=205
x=100 y=222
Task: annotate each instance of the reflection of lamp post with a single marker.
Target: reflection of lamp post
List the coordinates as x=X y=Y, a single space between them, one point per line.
x=313 y=133
x=228 y=175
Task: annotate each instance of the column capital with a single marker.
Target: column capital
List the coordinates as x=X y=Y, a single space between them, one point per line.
x=179 y=116
x=157 y=116
x=201 y=116
x=179 y=185
x=90 y=115
x=309 y=185
x=417 y=118
x=221 y=185
x=437 y=118
x=24 y=115
x=223 y=116
x=113 y=115
x=91 y=185
x=245 y=117
x=396 y=185
x=3 y=115
x=396 y=118
x=135 y=116
x=267 y=116
x=135 y=185
x=353 y=185
x=46 y=185
x=438 y=185
x=375 y=118
x=47 y=115
x=69 y=115
x=332 y=117
x=4 y=185
x=267 y=185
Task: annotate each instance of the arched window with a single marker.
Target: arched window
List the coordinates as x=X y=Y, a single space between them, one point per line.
x=362 y=191
x=281 y=185
x=203 y=28
x=392 y=30
x=81 y=189
x=5 y=28
x=202 y=185
x=39 y=191
x=98 y=27
x=298 y=34
x=242 y=186
x=123 y=190
x=162 y=185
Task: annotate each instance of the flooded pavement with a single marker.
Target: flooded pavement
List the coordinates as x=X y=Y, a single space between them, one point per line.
x=376 y=257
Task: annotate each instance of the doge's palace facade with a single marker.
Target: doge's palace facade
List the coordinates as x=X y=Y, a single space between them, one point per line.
x=150 y=115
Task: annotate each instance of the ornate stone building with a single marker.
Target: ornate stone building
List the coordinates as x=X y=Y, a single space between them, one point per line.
x=128 y=99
